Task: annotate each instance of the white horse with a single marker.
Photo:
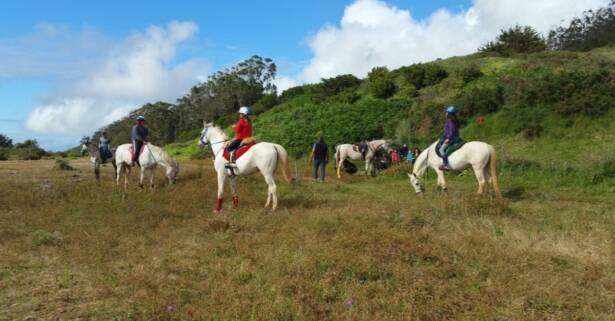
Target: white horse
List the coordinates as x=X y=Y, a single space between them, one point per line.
x=96 y=158
x=344 y=151
x=264 y=157
x=149 y=159
x=480 y=156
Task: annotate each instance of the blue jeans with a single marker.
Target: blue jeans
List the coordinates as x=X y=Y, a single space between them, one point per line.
x=320 y=165
x=443 y=153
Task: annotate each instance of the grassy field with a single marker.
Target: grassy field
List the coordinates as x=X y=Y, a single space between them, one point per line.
x=356 y=249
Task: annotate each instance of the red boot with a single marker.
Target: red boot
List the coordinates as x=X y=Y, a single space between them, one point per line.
x=218 y=205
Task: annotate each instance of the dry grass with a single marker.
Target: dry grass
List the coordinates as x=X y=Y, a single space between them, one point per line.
x=361 y=249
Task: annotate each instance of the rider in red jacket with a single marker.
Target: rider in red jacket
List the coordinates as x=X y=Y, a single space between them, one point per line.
x=243 y=130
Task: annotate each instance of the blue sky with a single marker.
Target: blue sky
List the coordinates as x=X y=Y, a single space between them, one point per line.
x=53 y=51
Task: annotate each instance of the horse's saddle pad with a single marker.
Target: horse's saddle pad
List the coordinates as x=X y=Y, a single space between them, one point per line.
x=453 y=147
x=238 y=152
x=132 y=152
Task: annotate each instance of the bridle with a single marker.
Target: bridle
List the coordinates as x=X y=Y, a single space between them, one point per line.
x=204 y=143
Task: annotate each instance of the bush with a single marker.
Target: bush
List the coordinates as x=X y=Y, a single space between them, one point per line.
x=480 y=98
x=335 y=85
x=516 y=40
x=4 y=154
x=470 y=73
x=423 y=75
x=28 y=150
x=381 y=85
x=201 y=153
x=62 y=165
x=290 y=93
x=605 y=172
x=42 y=237
x=533 y=130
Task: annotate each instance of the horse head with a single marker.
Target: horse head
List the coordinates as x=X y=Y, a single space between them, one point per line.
x=416 y=183
x=172 y=172
x=204 y=139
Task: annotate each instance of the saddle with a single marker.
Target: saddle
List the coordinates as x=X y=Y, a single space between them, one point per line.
x=456 y=144
x=239 y=151
x=132 y=153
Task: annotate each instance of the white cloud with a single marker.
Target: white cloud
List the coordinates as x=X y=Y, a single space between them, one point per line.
x=138 y=70
x=373 y=33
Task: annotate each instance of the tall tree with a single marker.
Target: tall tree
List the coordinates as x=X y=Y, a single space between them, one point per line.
x=592 y=30
x=5 y=141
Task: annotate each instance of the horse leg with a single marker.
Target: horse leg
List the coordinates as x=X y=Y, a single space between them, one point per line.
x=221 y=178
x=141 y=177
x=151 y=179
x=339 y=167
x=480 y=177
x=368 y=163
x=97 y=171
x=118 y=174
x=126 y=173
x=441 y=180
x=114 y=168
x=234 y=192
x=488 y=178
x=271 y=192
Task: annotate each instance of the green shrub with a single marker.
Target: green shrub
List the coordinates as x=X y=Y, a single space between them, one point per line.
x=62 y=165
x=605 y=172
x=200 y=153
x=42 y=237
x=423 y=75
x=470 y=73
x=480 y=98
x=4 y=154
x=381 y=84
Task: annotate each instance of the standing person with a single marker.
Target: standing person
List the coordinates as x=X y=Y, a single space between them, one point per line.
x=104 y=146
x=403 y=151
x=320 y=158
x=394 y=156
x=139 y=139
x=451 y=133
x=243 y=130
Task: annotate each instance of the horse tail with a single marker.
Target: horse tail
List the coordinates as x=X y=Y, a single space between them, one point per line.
x=283 y=160
x=494 y=172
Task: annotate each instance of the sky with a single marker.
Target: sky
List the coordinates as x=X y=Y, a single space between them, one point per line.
x=68 y=68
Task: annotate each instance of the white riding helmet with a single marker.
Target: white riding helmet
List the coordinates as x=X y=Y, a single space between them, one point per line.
x=245 y=110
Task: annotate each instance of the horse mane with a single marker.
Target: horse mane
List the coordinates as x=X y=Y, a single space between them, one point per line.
x=219 y=131
x=164 y=155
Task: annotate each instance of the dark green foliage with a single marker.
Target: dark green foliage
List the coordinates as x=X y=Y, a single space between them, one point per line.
x=605 y=172
x=335 y=85
x=381 y=83
x=225 y=91
x=291 y=92
x=470 y=73
x=516 y=40
x=4 y=153
x=62 y=165
x=480 y=97
x=5 y=141
x=28 y=150
x=423 y=75
x=592 y=30
x=295 y=126
x=265 y=103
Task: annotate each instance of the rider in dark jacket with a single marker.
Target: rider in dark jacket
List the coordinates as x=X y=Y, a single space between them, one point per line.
x=451 y=133
x=104 y=146
x=139 y=138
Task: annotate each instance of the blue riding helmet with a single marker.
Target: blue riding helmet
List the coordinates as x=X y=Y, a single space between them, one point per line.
x=246 y=110
x=140 y=117
x=451 y=109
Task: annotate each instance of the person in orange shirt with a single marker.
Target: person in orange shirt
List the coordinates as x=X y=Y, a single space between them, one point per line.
x=242 y=129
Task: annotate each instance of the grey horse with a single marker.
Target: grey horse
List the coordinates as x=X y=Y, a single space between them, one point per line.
x=96 y=158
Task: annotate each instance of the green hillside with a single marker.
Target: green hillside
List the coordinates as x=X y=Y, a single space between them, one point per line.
x=548 y=113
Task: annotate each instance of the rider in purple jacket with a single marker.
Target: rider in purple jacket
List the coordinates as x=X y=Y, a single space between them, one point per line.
x=451 y=132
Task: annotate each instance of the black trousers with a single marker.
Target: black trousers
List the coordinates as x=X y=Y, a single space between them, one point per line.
x=233 y=145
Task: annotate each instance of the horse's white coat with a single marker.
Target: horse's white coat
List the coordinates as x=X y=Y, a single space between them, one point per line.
x=149 y=159
x=344 y=151
x=480 y=156
x=263 y=157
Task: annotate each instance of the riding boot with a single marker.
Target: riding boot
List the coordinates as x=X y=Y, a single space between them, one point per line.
x=231 y=162
x=445 y=166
